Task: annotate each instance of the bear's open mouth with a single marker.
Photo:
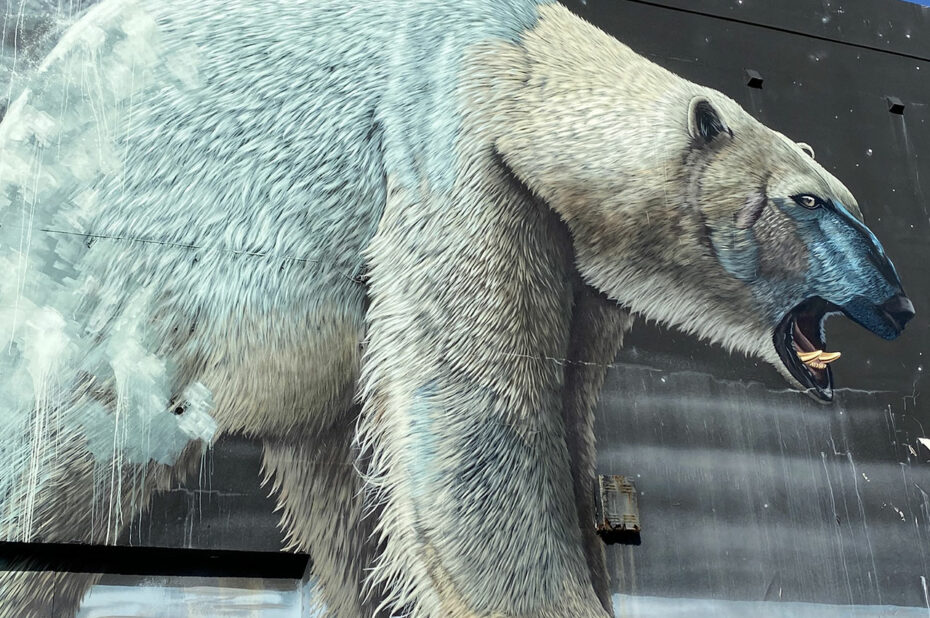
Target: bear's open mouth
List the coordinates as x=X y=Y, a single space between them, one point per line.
x=799 y=341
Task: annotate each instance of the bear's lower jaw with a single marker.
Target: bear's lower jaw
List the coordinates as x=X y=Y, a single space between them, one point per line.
x=800 y=345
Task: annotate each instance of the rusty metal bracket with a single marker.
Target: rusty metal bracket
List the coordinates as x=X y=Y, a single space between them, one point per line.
x=616 y=510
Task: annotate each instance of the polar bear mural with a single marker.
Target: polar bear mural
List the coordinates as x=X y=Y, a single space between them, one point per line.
x=368 y=233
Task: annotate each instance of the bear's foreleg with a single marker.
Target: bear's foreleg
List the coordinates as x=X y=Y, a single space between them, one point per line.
x=598 y=329
x=470 y=316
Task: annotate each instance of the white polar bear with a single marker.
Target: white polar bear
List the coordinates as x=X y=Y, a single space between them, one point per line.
x=369 y=233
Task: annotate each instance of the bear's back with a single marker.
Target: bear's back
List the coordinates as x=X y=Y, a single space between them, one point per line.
x=259 y=128
x=272 y=116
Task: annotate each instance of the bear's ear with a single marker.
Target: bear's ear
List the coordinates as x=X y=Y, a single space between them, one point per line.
x=807 y=149
x=704 y=121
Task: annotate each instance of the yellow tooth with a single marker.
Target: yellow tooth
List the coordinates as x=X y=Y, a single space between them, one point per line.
x=817 y=364
x=829 y=357
x=807 y=357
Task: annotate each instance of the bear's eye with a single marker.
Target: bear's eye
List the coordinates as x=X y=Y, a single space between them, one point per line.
x=808 y=201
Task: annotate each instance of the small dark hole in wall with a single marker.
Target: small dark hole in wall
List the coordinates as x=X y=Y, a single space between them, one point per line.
x=754 y=79
x=895 y=105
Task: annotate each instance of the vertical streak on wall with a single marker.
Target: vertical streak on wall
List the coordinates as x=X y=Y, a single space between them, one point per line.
x=46 y=346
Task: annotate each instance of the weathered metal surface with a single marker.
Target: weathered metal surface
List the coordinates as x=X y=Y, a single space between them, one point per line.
x=617 y=513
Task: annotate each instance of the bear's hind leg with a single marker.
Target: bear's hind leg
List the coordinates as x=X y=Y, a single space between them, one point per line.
x=78 y=500
x=29 y=591
x=320 y=495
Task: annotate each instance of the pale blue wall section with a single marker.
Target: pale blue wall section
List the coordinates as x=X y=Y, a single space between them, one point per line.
x=655 y=607
x=170 y=598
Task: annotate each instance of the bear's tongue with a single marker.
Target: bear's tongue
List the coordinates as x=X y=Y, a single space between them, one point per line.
x=809 y=354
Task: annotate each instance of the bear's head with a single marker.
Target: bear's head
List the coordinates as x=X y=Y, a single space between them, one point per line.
x=793 y=236
x=687 y=210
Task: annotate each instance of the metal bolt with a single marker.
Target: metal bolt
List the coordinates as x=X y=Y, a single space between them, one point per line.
x=895 y=105
x=754 y=79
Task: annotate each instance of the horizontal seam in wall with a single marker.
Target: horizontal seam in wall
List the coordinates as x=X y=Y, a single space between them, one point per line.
x=810 y=35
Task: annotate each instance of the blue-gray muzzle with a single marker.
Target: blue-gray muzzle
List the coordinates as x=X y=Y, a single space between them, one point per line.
x=852 y=275
x=886 y=320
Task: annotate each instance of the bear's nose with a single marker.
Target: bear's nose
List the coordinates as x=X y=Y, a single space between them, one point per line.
x=899 y=309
